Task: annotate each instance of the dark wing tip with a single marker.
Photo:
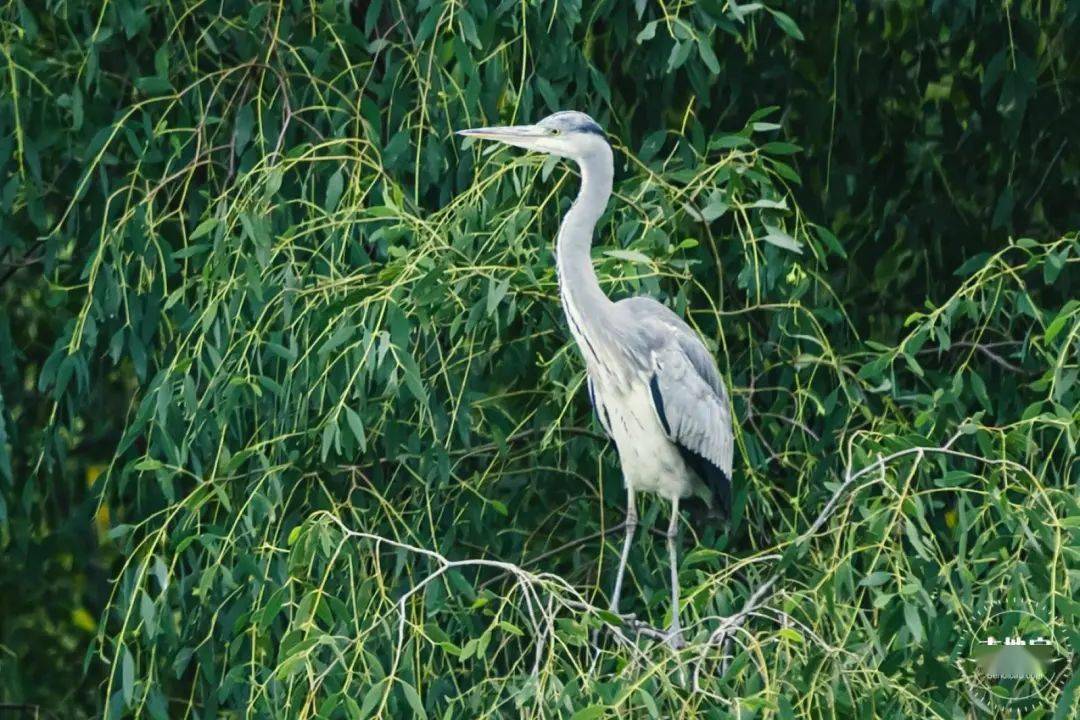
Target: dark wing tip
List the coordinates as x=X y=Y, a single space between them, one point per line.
x=715 y=479
x=658 y=403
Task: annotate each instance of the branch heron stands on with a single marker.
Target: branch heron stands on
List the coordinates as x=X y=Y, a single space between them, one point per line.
x=653 y=384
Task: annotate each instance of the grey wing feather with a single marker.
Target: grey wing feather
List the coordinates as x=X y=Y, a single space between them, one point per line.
x=688 y=392
x=698 y=415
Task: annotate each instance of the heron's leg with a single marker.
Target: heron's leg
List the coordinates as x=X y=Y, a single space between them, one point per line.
x=675 y=634
x=631 y=525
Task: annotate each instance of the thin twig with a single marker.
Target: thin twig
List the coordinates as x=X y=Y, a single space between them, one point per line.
x=1046 y=174
x=721 y=634
x=562 y=548
x=983 y=348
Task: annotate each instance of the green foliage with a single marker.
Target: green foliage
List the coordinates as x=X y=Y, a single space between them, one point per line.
x=312 y=344
x=932 y=130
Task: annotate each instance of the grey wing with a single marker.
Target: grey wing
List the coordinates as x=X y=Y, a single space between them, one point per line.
x=689 y=396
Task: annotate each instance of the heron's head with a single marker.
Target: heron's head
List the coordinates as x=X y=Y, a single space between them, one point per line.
x=567 y=134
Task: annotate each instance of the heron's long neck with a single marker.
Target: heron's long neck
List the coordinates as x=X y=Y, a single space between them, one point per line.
x=585 y=303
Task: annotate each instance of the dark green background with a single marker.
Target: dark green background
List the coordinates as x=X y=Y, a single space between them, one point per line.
x=929 y=136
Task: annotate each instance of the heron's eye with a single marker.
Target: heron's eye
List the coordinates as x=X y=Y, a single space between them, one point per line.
x=554 y=131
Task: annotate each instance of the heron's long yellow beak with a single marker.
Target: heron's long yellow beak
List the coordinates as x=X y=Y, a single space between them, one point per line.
x=518 y=135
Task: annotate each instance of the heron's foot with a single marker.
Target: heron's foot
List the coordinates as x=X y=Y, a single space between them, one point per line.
x=605 y=630
x=602 y=631
x=675 y=639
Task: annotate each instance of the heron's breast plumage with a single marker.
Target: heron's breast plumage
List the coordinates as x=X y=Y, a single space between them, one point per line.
x=650 y=461
x=619 y=386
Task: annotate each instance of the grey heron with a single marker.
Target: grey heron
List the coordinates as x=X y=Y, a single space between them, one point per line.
x=653 y=384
